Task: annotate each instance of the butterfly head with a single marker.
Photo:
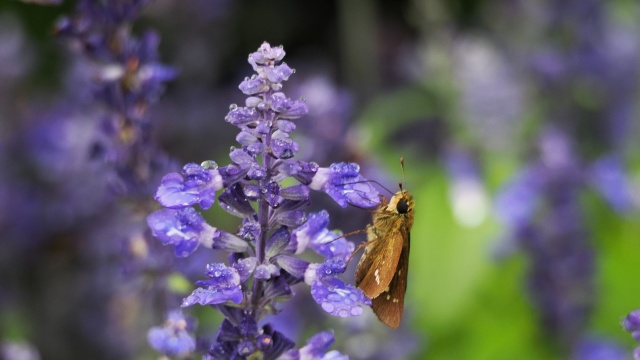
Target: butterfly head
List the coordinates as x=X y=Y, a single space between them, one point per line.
x=402 y=202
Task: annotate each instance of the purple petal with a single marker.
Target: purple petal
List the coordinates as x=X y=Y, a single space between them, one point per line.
x=339 y=298
x=242 y=116
x=240 y=157
x=285 y=126
x=235 y=202
x=291 y=218
x=222 y=276
x=278 y=241
x=283 y=146
x=245 y=267
x=300 y=170
x=294 y=266
x=198 y=186
x=226 y=242
x=213 y=296
x=340 y=248
x=318 y=345
x=344 y=184
x=279 y=73
x=172 y=194
x=183 y=228
x=253 y=85
x=314 y=228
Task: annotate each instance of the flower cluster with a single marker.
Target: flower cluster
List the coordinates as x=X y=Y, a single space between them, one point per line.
x=268 y=189
x=128 y=79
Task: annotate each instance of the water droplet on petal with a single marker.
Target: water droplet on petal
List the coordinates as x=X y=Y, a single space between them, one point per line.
x=233 y=106
x=328 y=307
x=343 y=313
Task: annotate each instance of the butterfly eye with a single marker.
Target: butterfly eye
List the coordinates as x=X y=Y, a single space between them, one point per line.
x=402 y=207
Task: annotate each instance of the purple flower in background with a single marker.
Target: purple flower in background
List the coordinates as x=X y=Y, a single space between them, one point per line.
x=174 y=338
x=262 y=262
x=316 y=349
x=631 y=323
x=598 y=349
x=561 y=257
x=129 y=79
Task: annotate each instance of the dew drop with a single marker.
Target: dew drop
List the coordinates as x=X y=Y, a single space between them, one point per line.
x=233 y=107
x=356 y=311
x=343 y=313
x=328 y=307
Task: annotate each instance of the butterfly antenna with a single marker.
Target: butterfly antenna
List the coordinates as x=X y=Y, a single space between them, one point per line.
x=403 y=178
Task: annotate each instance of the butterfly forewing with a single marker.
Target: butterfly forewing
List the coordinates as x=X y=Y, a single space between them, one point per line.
x=389 y=305
x=374 y=272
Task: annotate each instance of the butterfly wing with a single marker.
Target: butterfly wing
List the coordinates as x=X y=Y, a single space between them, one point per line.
x=389 y=305
x=378 y=264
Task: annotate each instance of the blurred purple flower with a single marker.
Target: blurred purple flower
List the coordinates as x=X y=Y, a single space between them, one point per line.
x=174 y=338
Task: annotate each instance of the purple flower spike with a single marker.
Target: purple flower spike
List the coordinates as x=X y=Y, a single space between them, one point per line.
x=183 y=228
x=199 y=186
x=174 y=338
x=345 y=185
x=223 y=286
